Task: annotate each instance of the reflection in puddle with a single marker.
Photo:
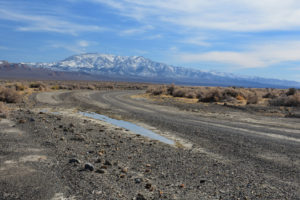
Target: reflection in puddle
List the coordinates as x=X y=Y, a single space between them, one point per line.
x=130 y=126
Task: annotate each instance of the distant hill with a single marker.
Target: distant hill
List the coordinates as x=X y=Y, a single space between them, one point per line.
x=136 y=68
x=23 y=71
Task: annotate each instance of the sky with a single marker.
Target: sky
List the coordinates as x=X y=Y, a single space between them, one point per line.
x=252 y=38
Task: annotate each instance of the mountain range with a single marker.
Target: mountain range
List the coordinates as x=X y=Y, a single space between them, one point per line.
x=94 y=66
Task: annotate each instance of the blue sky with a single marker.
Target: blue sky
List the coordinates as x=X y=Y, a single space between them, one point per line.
x=255 y=38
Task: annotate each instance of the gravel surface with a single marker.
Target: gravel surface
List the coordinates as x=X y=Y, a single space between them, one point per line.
x=58 y=154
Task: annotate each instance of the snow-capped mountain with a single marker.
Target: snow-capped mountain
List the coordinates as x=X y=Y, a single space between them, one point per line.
x=140 y=68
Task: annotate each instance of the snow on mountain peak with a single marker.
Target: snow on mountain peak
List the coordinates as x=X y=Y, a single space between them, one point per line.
x=138 y=66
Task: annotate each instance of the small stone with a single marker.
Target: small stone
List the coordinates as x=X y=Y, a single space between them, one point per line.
x=74 y=160
x=100 y=171
x=122 y=175
x=89 y=166
x=107 y=163
x=138 y=180
x=182 y=185
x=124 y=170
x=22 y=121
x=32 y=120
x=103 y=167
x=71 y=125
x=148 y=165
x=148 y=186
x=148 y=170
x=140 y=197
x=98 y=160
x=62 y=138
x=202 y=181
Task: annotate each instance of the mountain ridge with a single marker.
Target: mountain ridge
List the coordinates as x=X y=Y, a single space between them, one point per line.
x=141 y=68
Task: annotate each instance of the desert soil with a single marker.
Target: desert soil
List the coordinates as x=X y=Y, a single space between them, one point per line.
x=49 y=151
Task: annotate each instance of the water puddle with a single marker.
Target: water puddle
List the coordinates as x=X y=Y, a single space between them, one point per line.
x=130 y=126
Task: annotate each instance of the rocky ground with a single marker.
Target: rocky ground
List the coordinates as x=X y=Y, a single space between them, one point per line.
x=61 y=155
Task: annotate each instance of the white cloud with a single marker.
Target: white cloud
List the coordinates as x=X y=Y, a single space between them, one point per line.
x=83 y=43
x=262 y=55
x=135 y=31
x=46 y=23
x=68 y=47
x=199 y=41
x=228 y=15
x=75 y=47
x=152 y=37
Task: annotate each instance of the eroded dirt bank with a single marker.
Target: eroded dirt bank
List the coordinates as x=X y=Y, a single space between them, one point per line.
x=63 y=155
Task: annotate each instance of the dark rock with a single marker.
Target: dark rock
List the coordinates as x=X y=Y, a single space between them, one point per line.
x=148 y=186
x=202 y=181
x=74 y=160
x=107 y=163
x=32 y=120
x=48 y=144
x=138 y=180
x=89 y=166
x=22 y=121
x=140 y=197
x=100 y=171
x=98 y=160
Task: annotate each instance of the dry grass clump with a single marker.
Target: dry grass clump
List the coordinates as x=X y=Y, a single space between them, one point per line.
x=264 y=96
x=9 y=95
x=38 y=86
x=157 y=90
x=3 y=110
x=20 y=87
x=290 y=99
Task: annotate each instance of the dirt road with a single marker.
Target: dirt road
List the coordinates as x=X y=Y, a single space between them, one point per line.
x=221 y=153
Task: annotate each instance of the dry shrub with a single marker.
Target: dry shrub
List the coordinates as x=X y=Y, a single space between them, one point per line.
x=270 y=95
x=3 y=110
x=231 y=92
x=212 y=96
x=171 y=89
x=55 y=87
x=253 y=98
x=36 y=85
x=240 y=98
x=289 y=101
x=91 y=87
x=180 y=92
x=191 y=95
x=157 y=90
x=9 y=95
x=291 y=92
x=20 y=87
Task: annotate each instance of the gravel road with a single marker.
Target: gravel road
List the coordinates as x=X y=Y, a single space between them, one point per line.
x=222 y=153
